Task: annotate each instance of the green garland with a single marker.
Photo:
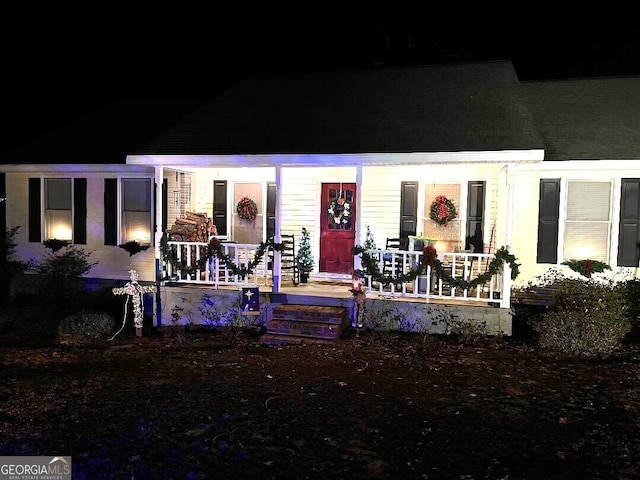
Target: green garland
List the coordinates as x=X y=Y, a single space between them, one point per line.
x=502 y=255
x=214 y=248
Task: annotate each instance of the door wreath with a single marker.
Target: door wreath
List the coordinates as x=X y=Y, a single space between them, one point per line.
x=442 y=210
x=340 y=211
x=247 y=209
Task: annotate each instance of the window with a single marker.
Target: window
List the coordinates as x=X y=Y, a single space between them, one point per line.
x=58 y=213
x=587 y=232
x=136 y=211
x=63 y=202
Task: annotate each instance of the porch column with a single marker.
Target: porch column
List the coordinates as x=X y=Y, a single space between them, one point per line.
x=505 y=294
x=158 y=179
x=510 y=199
x=357 y=261
x=158 y=174
x=276 y=237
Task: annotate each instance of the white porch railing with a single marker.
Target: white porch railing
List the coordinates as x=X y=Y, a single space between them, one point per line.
x=459 y=266
x=193 y=267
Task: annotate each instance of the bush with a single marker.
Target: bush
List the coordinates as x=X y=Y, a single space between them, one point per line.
x=584 y=319
x=61 y=282
x=84 y=327
x=632 y=297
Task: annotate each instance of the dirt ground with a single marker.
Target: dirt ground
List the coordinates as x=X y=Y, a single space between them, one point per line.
x=218 y=405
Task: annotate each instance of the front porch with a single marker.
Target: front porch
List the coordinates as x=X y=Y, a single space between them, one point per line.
x=464 y=277
x=199 y=289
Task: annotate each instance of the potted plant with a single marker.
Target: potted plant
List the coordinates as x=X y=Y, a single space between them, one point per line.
x=304 y=257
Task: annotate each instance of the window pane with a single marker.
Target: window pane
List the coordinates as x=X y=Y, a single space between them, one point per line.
x=136 y=226
x=57 y=224
x=136 y=195
x=58 y=193
x=586 y=241
x=589 y=201
x=588 y=225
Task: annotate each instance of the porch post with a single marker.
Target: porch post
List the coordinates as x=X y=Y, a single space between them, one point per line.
x=505 y=294
x=357 y=261
x=159 y=177
x=277 y=238
x=510 y=197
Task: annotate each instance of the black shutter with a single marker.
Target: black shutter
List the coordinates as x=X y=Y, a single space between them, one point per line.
x=548 y=215
x=408 y=208
x=3 y=207
x=629 y=237
x=165 y=205
x=475 y=216
x=110 y=211
x=35 y=211
x=80 y=211
x=271 y=210
x=4 y=279
x=220 y=206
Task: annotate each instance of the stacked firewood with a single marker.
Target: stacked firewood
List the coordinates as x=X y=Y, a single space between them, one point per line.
x=192 y=227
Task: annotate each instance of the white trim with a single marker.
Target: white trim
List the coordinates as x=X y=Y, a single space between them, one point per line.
x=583 y=167
x=343 y=160
x=85 y=168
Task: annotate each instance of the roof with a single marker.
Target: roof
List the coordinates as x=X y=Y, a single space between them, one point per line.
x=436 y=108
x=587 y=119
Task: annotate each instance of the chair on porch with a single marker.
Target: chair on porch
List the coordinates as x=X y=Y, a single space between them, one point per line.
x=393 y=244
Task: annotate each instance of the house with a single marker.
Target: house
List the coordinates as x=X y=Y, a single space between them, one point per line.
x=548 y=170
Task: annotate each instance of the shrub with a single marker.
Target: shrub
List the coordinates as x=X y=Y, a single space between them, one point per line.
x=9 y=265
x=632 y=297
x=584 y=319
x=61 y=282
x=85 y=327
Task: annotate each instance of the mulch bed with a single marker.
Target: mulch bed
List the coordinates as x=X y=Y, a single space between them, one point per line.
x=210 y=404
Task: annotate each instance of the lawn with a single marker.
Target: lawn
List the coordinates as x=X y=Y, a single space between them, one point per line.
x=208 y=404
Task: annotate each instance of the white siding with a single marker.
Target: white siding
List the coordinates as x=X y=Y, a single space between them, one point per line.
x=526 y=186
x=112 y=261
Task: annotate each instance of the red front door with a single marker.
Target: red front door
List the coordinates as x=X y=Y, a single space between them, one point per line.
x=337 y=227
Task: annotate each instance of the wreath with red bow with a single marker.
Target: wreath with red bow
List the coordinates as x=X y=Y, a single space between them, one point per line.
x=247 y=209
x=442 y=210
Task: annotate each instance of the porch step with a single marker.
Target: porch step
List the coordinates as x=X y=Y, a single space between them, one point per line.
x=296 y=324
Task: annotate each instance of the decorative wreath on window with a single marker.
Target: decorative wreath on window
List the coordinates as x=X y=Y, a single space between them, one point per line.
x=247 y=209
x=442 y=210
x=340 y=211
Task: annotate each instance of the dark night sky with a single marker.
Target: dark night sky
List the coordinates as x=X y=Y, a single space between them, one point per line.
x=55 y=71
